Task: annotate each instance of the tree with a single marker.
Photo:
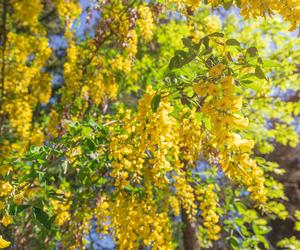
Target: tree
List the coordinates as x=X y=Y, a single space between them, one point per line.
x=161 y=131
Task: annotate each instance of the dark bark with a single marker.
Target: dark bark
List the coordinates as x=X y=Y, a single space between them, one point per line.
x=190 y=238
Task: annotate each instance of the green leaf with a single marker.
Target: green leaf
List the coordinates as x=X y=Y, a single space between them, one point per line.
x=207 y=123
x=91 y=144
x=129 y=188
x=229 y=56
x=206 y=51
x=20 y=208
x=263 y=240
x=181 y=53
x=256 y=86
x=40 y=161
x=233 y=42
x=227 y=5
x=216 y=34
x=238 y=3
x=240 y=207
x=259 y=73
x=259 y=230
x=175 y=62
x=155 y=102
x=187 y=42
x=205 y=41
x=271 y=64
x=234 y=242
x=42 y=217
x=252 y=51
x=52 y=219
x=12 y=209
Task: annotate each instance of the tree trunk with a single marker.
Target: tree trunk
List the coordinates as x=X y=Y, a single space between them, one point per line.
x=190 y=238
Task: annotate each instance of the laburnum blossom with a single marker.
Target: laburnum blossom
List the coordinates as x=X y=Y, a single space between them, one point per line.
x=4 y=243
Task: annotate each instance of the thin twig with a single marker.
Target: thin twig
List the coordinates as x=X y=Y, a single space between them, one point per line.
x=4 y=39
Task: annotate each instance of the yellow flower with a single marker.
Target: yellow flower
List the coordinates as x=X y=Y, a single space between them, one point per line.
x=228 y=85
x=6 y=220
x=245 y=161
x=212 y=89
x=227 y=120
x=225 y=103
x=237 y=103
x=212 y=23
x=145 y=22
x=297 y=226
x=5 y=188
x=240 y=121
x=242 y=144
x=61 y=218
x=18 y=199
x=200 y=89
x=216 y=229
x=4 y=243
x=4 y=170
x=246 y=145
x=34 y=192
x=217 y=70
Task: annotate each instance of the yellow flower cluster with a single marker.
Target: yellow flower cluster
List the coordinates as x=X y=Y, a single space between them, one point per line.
x=72 y=74
x=146 y=140
x=120 y=23
x=145 y=22
x=25 y=84
x=53 y=124
x=185 y=194
x=223 y=107
x=193 y=4
x=147 y=148
x=123 y=28
x=79 y=224
x=121 y=63
x=132 y=39
x=103 y=87
x=37 y=137
x=208 y=199
x=180 y=4
x=102 y=213
x=27 y=13
x=289 y=9
x=61 y=208
x=190 y=136
x=68 y=10
x=20 y=115
x=98 y=86
x=174 y=204
x=190 y=146
x=5 y=190
x=143 y=224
